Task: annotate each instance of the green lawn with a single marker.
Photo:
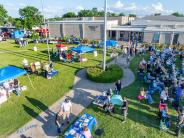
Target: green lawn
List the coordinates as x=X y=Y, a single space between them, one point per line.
x=18 y=110
x=141 y=122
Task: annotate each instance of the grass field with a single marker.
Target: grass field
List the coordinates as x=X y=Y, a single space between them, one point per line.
x=18 y=110
x=141 y=122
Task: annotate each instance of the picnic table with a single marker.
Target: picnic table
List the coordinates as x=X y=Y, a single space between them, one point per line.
x=77 y=128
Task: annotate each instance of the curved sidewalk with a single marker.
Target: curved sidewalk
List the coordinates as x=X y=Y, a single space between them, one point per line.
x=82 y=94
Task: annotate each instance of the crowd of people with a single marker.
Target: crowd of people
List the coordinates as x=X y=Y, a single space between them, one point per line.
x=166 y=80
x=68 y=56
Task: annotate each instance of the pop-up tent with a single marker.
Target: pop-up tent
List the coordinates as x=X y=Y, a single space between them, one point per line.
x=17 y=34
x=61 y=47
x=10 y=72
x=109 y=43
x=82 y=49
x=117 y=100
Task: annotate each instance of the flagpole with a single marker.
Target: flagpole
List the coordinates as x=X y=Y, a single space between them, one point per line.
x=105 y=34
x=44 y=20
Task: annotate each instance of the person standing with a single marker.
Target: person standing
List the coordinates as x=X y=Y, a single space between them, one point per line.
x=124 y=109
x=180 y=123
x=66 y=108
x=58 y=121
x=118 y=86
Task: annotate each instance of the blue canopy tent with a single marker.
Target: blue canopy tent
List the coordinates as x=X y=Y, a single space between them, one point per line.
x=109 y=43
x=82 y=49
x=117 y=100
x=17 y=34
x=12 y=72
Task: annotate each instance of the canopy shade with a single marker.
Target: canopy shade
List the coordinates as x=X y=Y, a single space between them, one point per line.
x=117 y=100
x=60 y=45
x=42 y=30
x=82 y=49
x=10 y=72
x=109 y=43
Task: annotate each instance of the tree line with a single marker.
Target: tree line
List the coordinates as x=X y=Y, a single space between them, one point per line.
x=31 y=16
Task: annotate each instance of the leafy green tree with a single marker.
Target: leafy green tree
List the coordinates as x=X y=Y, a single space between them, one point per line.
x=132 y=15
x=177 y=14
x=69 y=15
x=157 y=14
x=57 y=18
x=3 y=15
x=85 y=13
x=121 y=14
x=31 y=17
x=18 y=23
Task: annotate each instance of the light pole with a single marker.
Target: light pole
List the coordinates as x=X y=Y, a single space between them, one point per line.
x=105 y=34
x=46 y=32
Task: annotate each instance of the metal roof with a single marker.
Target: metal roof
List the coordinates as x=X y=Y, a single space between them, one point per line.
x=77 y=22
x=164 y=18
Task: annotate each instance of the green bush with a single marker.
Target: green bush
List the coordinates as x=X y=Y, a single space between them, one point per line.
x=111 y=74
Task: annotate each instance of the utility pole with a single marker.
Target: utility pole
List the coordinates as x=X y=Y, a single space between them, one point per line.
x=47 y=41
x=105 y=34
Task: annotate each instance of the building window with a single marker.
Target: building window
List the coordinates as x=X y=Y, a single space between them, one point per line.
x=156 y=38
x=93 y=28
x=121 y=34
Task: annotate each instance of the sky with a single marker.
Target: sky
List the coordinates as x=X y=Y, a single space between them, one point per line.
x=53 y=8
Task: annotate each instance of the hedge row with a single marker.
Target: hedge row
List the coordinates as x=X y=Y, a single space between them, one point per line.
x=111 y=74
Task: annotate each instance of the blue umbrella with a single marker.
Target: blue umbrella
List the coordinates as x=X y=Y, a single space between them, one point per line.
x=109 y=43
x=117 y=100
x=82 y=49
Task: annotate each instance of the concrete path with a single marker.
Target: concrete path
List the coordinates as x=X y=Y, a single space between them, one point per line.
x=82 y=94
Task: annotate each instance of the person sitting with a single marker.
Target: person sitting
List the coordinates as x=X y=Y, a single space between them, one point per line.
x=164 y=96
x=124 y=108
x=155 y=87
x=109 y=108
x=86 y=132
x=16 y=87
x=164 y=119
x=145 y=95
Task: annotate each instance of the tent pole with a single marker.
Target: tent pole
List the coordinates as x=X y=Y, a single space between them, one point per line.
x=30 y=82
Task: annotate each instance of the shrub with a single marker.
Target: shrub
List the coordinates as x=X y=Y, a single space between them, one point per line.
x=111 y=74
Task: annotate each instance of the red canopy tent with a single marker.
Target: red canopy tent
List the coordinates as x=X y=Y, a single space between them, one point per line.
x=42 y=30
x=60 y=45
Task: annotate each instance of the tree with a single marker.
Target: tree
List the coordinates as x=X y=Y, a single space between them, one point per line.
x=69 y=15
x=157 y=14
x=177 y=14
x=31 y=17
x=3 y=15
x=56 y=18
x=85 y=13
x=18 y=23
x=132 y=15
x=121 y=14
